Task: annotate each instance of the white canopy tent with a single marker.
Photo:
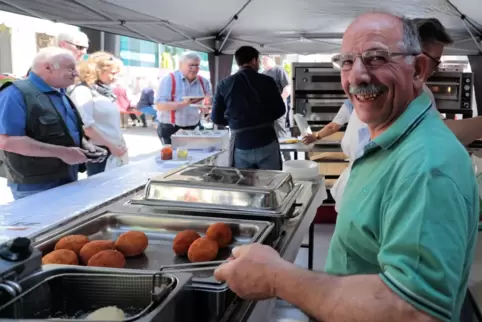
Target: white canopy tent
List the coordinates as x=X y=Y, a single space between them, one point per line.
x=219 y=27
x=273 y=26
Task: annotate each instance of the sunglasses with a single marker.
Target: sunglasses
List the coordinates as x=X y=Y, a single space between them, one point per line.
x=77 y=46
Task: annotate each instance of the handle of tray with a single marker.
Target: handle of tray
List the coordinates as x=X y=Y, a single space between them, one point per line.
x=240 y=175
x=191 y=267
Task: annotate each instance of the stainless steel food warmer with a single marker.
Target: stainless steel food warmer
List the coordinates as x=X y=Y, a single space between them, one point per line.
x=203 y=294
x=223 y=192
x=161 y=230
x=222 y=188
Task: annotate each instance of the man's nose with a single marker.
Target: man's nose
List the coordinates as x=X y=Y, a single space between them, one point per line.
x=359 y=73
x=75 y=73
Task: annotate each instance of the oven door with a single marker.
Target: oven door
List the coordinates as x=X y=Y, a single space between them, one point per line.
x=319 y=110
x=318 y=79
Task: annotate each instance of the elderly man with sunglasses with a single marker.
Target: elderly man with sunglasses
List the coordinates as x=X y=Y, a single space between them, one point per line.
x=405 y=237
x=76 y=42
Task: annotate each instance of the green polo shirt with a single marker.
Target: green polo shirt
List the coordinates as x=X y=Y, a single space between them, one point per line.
x=409 y=213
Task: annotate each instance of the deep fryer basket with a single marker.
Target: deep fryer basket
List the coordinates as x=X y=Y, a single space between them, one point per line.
x=74 y=295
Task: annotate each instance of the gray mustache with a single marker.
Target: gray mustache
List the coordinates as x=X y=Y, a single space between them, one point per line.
x=367 y=89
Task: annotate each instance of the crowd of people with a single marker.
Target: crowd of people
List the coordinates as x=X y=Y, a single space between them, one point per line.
x=68 y=113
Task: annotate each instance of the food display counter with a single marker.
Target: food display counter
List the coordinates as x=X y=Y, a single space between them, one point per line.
x=159 y=200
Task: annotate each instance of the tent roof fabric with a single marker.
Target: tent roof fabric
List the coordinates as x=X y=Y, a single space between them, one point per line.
x=272 y=26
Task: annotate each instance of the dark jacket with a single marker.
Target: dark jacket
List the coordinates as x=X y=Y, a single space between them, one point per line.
x=246 y=99
x=44 y=124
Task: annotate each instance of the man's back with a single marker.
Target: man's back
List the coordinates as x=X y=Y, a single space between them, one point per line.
x=250 y=98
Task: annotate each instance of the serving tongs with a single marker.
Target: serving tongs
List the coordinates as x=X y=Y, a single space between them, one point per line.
x=192 y=267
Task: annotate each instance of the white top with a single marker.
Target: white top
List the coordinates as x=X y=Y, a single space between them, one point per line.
x=343 y=115
x=98 y=110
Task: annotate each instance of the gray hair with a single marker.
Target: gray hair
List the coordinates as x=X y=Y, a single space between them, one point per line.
x=190 y=55
x=76 y=37
x=50 y=55
x=410 y=37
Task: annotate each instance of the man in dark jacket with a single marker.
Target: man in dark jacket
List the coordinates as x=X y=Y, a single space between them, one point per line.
x=42 y=142
x=250 y=103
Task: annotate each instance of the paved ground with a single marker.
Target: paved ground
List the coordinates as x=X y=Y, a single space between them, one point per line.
x=141 y=142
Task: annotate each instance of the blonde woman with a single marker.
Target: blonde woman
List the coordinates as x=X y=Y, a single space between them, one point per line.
x=96 y=102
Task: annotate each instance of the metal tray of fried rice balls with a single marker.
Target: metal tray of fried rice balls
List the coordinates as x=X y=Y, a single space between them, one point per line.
x=161 y=231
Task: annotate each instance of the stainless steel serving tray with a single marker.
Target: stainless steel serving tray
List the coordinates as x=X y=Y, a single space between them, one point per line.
x=210 y=187
x=161 y=230
x=64 y=292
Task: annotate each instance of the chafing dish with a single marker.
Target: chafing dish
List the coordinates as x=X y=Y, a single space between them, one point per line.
x=230 y=189
x=209 y=296
x=161 y=230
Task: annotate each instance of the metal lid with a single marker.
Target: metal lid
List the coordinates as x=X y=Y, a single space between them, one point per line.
x=214 y=187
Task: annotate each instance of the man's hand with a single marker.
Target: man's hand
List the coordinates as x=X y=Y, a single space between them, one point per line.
x=117 y=150
x=73 y=155
x=252 y=271
x=309 y=138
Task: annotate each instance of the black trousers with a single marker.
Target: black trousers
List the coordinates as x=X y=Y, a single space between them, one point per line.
x=166 y=130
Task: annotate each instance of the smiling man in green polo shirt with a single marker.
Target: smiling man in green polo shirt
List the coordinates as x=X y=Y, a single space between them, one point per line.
x=405 y=236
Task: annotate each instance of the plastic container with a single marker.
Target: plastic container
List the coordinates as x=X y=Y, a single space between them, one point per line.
x=166 y=152
x=182 y=153
x=302 y=169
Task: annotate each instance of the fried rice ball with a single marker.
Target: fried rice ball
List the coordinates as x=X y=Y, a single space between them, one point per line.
x=108 y=258
x=61 y=256
x=183 y=241
x=132 y=243
x=203 y=250
x=93 y=247
x=221 y=233
x=72 y=242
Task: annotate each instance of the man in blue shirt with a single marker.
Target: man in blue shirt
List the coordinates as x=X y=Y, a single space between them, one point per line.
x=53 y=70
x=175 y=110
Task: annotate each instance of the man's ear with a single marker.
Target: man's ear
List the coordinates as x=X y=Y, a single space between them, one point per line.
x=423 y=70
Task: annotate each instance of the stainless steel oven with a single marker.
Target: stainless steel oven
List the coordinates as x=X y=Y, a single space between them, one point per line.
x=317 y=92
x=452 y=91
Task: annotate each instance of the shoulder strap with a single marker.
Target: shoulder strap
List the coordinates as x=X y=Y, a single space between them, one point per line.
x=200 y=79
x=173 y=97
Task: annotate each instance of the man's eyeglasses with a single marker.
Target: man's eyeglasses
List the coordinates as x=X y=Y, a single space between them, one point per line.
x=371 y=58
x=435 y=60
x=77 y=46
x=193 y=66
